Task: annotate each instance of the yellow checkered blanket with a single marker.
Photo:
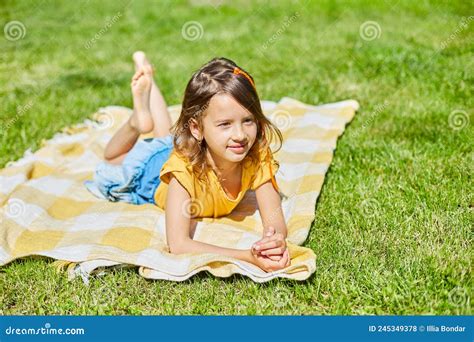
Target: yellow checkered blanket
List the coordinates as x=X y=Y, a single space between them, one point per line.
x=45 y=209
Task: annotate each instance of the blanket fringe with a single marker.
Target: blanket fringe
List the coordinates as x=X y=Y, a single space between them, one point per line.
x=63 y=265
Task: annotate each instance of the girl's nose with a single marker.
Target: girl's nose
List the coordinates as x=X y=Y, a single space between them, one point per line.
x=238 y=134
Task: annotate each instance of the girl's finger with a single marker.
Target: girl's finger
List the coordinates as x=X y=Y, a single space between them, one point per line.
x=274 y=257
x=273 y=237
x=284 y=259
x=267 y=239
x=268 y=245
x=273 y=251
x=259 y=242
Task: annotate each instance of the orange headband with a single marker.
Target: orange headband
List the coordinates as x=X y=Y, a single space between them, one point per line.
x=240 y=71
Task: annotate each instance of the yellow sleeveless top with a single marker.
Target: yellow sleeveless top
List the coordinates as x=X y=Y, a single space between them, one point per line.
x=213 y=201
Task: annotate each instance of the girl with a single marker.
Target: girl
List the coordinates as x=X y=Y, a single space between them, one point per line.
x=203 y=164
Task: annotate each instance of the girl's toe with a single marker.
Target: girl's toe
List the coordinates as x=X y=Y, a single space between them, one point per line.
x=148 y=69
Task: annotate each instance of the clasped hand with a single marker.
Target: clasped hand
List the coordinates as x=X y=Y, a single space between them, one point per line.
x=271 y=252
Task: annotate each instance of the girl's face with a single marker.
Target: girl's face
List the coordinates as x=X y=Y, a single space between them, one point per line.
x=229 y=130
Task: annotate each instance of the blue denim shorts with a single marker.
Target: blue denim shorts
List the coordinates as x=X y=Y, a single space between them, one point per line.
x=136 y=179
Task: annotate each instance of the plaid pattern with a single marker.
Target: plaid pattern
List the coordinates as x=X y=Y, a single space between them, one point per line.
x=46 y=210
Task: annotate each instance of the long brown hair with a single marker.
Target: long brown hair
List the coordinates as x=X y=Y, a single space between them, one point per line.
x=218 y=77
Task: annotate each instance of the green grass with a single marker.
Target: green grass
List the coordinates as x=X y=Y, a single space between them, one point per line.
x=393 y=223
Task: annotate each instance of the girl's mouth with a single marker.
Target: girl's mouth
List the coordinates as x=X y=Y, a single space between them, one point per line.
x=238 y=148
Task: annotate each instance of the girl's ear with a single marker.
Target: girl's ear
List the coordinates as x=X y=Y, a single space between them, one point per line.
x=194 y=129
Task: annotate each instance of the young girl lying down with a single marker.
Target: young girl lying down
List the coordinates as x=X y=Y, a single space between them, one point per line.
x=203 y=164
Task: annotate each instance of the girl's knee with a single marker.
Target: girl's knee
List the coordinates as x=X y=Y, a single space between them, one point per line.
x=115 y=161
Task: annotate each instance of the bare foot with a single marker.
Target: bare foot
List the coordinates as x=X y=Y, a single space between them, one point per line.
x=141 y=119
x=140 y=60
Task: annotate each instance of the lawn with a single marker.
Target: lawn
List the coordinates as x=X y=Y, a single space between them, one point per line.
x=393 y=226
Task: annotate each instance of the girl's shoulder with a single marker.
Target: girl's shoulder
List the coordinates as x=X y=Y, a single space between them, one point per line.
x=175 y=164
x=178 y=161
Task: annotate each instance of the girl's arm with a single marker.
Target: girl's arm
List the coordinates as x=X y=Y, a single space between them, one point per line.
x=273 y=242
x=269 y=205
x=178 y=227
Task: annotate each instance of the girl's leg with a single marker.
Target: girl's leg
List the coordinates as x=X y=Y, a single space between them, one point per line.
x=122 y=142
x=140 y=121
x=158 y=108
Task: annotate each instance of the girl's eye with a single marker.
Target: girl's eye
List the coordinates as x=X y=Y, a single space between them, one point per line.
x=227 y=123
